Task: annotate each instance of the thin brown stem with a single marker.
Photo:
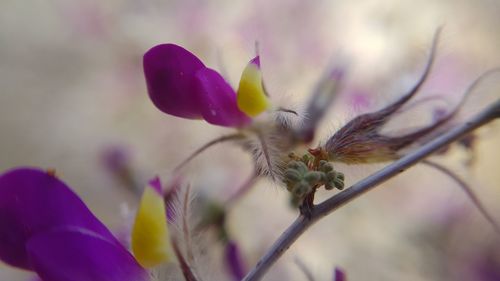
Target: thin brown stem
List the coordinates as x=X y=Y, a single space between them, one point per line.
x=187 y=271
x=225 y=138
x=185 y=224
x=267 y=156
x=303 y=267
x=243 y=188
x=468 y=191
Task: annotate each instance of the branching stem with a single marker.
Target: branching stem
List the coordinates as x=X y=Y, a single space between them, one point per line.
x=302 y=223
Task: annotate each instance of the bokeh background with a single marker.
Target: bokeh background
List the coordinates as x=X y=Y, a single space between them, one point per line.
x=72 y=93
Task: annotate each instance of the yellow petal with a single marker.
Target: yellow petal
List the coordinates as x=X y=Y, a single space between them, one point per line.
x=150 y=238
x=252 y=98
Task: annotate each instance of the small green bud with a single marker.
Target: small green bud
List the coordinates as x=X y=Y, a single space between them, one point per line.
x=325 y=166
x=293 y=165
x=312 y=177
x=339 y=184
x=299 y=166
x=330 y=176
x=301 y=189
x=292 y=176
x=329 y=186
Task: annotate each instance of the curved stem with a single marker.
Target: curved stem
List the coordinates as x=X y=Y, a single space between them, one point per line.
x=207 y=145
x=243 y=189
x=304 y=269
x=468 y=191
x=293 y=232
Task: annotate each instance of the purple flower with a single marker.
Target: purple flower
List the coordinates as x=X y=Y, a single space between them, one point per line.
x=179 y=84
x=234 y=260
x=45 y=227
x=339 y=274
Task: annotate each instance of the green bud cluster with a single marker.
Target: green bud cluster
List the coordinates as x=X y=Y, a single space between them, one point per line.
x=331 y=178
x=300 y=180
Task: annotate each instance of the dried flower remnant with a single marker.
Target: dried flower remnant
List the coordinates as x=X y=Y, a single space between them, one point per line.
x=360 y=141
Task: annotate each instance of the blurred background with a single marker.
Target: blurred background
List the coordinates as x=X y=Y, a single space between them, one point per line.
x=73 y=98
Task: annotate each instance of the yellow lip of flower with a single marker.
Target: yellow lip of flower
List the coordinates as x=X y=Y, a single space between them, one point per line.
x=150 y=236
x=251 y=96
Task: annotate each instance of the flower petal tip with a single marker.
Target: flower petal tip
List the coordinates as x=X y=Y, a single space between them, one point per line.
x=252 y=97
x=256 y=61
x=150 y=237
x=155 y=183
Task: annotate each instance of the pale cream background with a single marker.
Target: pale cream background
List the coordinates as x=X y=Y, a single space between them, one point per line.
x=71 y=83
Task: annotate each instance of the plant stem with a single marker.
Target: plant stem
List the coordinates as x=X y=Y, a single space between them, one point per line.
x=293 y=232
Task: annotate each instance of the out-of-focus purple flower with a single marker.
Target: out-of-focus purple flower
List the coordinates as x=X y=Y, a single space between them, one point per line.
x=234 y=261
x=179 y=84
x=487 y=269
x=339 y=274
x=359 y=99
x=116 y=160
x=47 y=228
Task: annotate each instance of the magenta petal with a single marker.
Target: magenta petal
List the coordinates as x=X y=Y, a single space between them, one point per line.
x=218 y=100
x=169 y=70
x=234 y=261
x=35 y=278
x=75 y=254
x=339 y=274
x=33 y=201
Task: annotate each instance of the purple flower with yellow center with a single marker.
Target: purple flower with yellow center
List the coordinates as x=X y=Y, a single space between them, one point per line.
x=46 y=228
x=180 y=84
